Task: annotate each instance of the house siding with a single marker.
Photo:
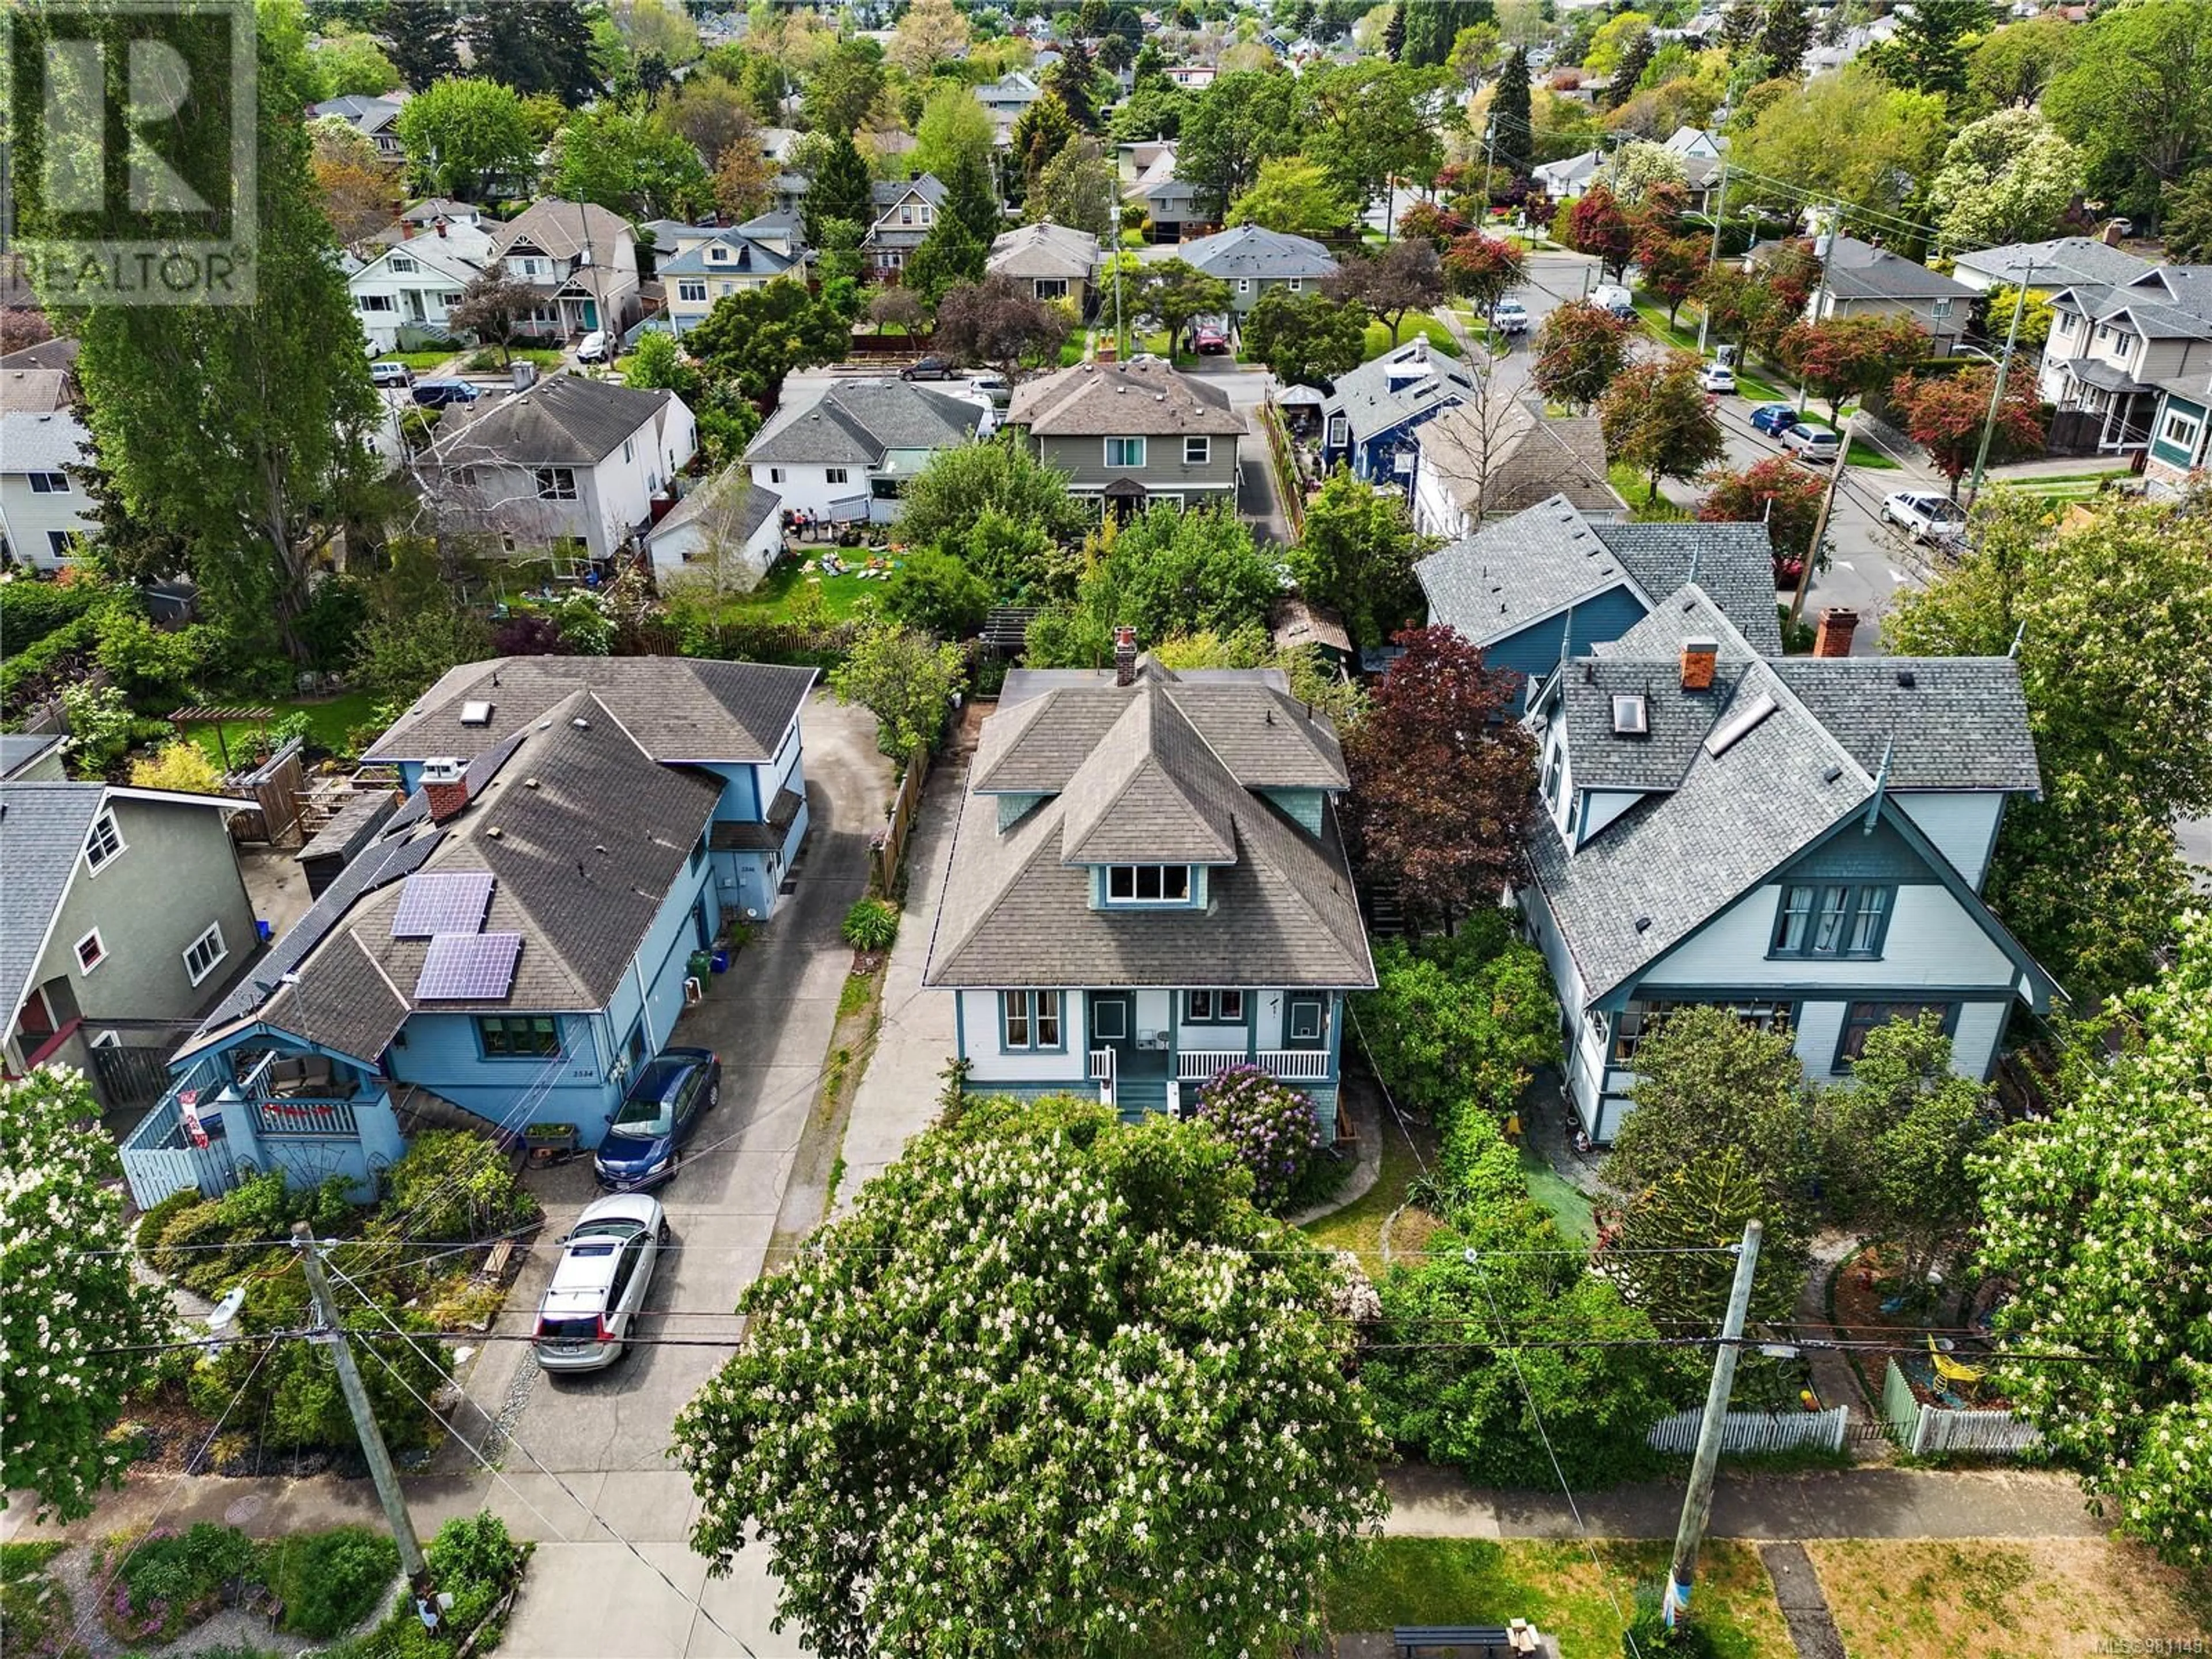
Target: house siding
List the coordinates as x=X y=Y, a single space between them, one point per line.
x=28 y=519
x=1537 y=649
x=1962 y=823
x=1164 y=471
x=1931 y=942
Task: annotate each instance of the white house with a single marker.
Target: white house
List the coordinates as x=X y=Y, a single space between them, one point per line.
x=2115 y=347
x=846 y=455
x=410 y=290
x=729 y=529
x=569 y=464
x=44 y=512
x=582 y=258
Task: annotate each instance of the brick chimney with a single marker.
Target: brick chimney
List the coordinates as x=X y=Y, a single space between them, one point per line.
x=440 y=223
x=1125 y=656
x=1834 y=636
x=1699 y=657
x=446 y=787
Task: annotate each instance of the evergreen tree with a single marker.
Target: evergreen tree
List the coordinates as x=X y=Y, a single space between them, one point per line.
x=969 y=199
x=841 y=189
x=1740 y=27
x=422 y=39
x=1510 y=116
x=1635 y=59
x=1928 y=53
x=1071 y=78
x=1434 y=25
x=1041 y=132
x=544 y=46
x=1786 y=38
x=1394 y=32
x=950 y=256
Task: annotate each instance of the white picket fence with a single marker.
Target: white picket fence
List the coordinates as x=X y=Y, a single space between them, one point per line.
x=1753 y=1431
x=1925 y=1430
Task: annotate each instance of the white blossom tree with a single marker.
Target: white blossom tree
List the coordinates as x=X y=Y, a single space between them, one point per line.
x=64 y=1306
x=1054 y=1387
x=2103 y=1218
x=2005 y=178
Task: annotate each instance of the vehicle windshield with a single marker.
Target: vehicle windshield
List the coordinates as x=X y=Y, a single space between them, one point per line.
x=650 y=1108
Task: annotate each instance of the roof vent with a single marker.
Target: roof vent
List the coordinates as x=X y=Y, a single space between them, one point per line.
x=1738 y=725
x=1642 y=924
x=1904 y=678
x=530 y=783
x=495 y=831
x=581 y=724
x=1831 y=774
x=475 y=713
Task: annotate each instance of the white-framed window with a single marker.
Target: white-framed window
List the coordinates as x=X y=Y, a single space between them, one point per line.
x=775 y=475
x=91 y=952
x=556 y=483
x=61 y=544
x=691 y=292
x=378 y=302
x=102 y=843
x=1147 y=884
x=1295 y=285
x=401 y=262
x=1030 y=1019
x=2179 y=429
x=1125 y=452
x=49 y=483
x=1244 y=284
x=447 y=301
x=205 y=953
x=906 y=213
x=718 y=253
x=109 y=1039
x=1197 y=451
x=1339 y=432
x=629 y=449
x=1052 y=288
x=834 y=475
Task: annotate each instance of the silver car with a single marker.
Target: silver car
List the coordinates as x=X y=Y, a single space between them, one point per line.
x=1925 y=515
x=591 y=1307
x=1815 y=444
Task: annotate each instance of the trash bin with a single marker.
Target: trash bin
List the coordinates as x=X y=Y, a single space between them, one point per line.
x=703 y=963
x=721 y=958
x=263 y=928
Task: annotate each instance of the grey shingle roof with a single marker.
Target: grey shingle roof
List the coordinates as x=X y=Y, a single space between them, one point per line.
x=754 y=505
x=564 y=229
x=21 y=748
x=1961 y=724
x=563 y=420
x=677 y=709
x=42 y=831
x=41 y=443
x=1043 y=250
x=1254 y=251
x=854 y=421
x=1093 y=400
x=1732 y=563
x=1860 y=270
x=889 y=192
x=34 y=391
x=741 y=256
x=1388 y=391
x=1679 y=721
x=1149 y=792
x=1528 y=457
x=2066 y=258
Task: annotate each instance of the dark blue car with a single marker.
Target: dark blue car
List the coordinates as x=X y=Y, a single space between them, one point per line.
x=1773 y=418
x=667 y=1099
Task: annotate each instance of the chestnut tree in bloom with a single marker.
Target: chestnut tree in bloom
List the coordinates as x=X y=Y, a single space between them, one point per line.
x=1054 y=1388
x=64 y=1308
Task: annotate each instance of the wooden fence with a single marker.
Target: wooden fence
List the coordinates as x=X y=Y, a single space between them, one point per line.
x=891 y=848
x=1753 y=1431
x=1925 y=1430
x=1285 y=463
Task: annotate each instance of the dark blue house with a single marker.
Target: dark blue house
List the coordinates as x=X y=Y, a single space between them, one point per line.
x=1372 y=417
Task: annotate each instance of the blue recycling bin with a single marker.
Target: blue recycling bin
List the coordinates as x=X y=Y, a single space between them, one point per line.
x=263 y=928
x=721 y=958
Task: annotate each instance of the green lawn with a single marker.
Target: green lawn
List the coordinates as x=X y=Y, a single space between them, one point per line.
x=2066 y=487
x=1655 y=319
x=488 y=360
x=1644 y=507
x=329 y=719
x=774 y=600
x=1555 y=1585
x=1379 y=338
x=1358 y=1226
x=1560 y=1198
x=418 y=360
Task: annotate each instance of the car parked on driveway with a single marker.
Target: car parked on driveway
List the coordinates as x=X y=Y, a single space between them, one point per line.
x=1923 y=515
x=932 y=368
x=385 y=372
x=590 y=1311
x=663 y=1105
x=595 y=347
x=1773 y=418
x=1718 y=379
x=1815 y=444
x=436 y=394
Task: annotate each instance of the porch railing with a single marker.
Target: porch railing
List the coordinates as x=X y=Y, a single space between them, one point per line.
x=298 y=1117
x=1197 y=1065
x=1291 y=1065
x=1101 y=1065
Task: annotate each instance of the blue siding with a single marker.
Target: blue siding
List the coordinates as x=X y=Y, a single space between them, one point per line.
x=1304 y=805
x=1536 y=649
x=2172 y=453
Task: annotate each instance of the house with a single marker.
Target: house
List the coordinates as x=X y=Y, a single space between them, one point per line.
x=905 y=209
x=375 y=119
x=846 y=456
x=1193 y=77
x=31 y=757
x=1007 y=98
x=1552 y=583
x=464 y=227
x=1253 y=259
x=1169 y=204
x=1053 y=262
x=2180 y=445
x=517 y=940
x=2049 y=265
x=1132 y=435
x=714 y=267
x=1699 y=152
x=1565 y=180
x=1147 y=886
x=2113 y=349
x=582 y=258
x=1372 y=418
x=1500 y=455
x=1864 y=279
x=44 y=511
x=1802 y=840
x=569 y=464
x=729 y=527
x=404 y=295
x=122 y=918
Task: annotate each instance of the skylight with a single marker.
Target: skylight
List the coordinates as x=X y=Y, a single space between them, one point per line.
x=1630 y=717
x=475 y=713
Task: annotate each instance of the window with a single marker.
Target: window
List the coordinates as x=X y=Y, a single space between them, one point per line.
x=556 y=483
x=203 y=953
x=1125 y=452
x=519 y=1036
x=1554 y=770
x=90 y=952
x=1295 y=285
x=693 y=293
x=1052 y=288
x=906 y=213
x=1030 y=1020
x=1339 y=432
x=1197 y=451
x=775 y=475
x=1305 y=1020
x=699 y=854
x=1214 y=1008
x=49 y=483
x=401 y=262
x=378 y=302
x=834 y=475
x=1864 y=1018
x=1147 y=884
x=61 y=544
x=2179 y=429
x=718 y=254
x=1639 y=1020
x=103 y=843
x=447 y=301
x=629 y=449
x=467 y=476
x=1831 y=920
x=1109 y=1019
x=1244 y=284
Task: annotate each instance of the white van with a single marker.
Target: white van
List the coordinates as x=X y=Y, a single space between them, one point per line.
x=1616 y=299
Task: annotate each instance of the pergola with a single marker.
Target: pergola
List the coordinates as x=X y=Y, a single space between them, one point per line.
x=196 y=715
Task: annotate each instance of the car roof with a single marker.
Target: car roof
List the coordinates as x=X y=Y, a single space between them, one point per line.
x=640 y=1209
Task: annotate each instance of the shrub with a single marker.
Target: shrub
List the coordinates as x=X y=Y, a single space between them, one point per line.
x=474 y=1561
x=938 y=594
x=31 y=609
x=871 y=924
x=171 y=1580
x=1271 y=1126
x=1462 y=1018
x=1477 y=1166
x=328 y=1582
x=456 y=1184
x=155 y=1222
x=183 y=767
x=188 y=1225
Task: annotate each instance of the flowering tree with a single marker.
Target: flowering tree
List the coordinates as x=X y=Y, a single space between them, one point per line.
x=64 y=1308
x=1782 y=494
x=1579 y=349
x=1054 y=1387
x=1839 y=357
x=1271 y=1126
x=1944 y=414
x=2102 y=1217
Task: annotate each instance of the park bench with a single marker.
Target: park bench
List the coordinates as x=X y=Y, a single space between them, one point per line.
x=1491 y=1641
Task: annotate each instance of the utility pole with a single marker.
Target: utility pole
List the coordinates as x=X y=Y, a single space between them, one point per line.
x=1997 y=393
x=1720 y=213
x=1115 y=206
x=1819 y=290
x=1697 y=1502
x=328 y=1331
x=1820 y=524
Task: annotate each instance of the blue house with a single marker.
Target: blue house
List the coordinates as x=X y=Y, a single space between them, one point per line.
x=1552 y=582
x=1372 y=418
x=517 y=938
x=1147 y=887
x=2180 y=435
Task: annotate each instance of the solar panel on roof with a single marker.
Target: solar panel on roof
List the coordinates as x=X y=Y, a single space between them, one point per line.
x=468 y=967
x=442 y=902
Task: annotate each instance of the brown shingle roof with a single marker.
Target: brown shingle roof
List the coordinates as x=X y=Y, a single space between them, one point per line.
x=1096 y=400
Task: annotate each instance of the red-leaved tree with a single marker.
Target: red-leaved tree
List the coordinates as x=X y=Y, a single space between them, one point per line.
x=1777 y=491
x=1791 y=272
x=1433 y=223
x=1944 y=413
x=1442 y=774
x=1596 y=226
x=1839 y=357
x=1484 y=269
x=1671 y=265
x=1579 y=349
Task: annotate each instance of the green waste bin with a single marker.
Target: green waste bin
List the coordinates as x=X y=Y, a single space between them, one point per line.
x=703 y=963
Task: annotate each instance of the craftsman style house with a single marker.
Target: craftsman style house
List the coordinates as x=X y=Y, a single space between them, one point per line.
x=1372 y=418
x=1147 y=887
x=518 y=937
x=1802 y=840
x=1132 y=435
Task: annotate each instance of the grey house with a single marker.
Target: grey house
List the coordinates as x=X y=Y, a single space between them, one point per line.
x=1148 y=888
x=1252 y=260
x=123 y=917
x=905 y=209
x=1132 y=435
x=1867 y=280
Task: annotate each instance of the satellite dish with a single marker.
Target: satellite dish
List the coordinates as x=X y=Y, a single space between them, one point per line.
x=220 y=1315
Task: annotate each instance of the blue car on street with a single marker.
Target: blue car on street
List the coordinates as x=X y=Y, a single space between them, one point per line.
x=673 y=1090
x=1773 y=418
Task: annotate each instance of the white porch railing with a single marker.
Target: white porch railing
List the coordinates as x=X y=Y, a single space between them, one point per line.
x=1291 y=1065
x=1197 y=1065
x=1101 y=1065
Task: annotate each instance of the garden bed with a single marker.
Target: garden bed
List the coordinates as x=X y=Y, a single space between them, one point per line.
x=1868 y=1305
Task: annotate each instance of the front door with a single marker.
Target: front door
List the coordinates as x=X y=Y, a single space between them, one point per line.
x=1113 y=1021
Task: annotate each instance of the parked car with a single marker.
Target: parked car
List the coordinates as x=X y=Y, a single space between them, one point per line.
x=1923 y=516
x=661 y=1108
x=388 y=373
x=590 y=1311
x=594 y=350
x=993 y=384
x=1813 y=444
x=1617 y=300
x=1718 y=378
x=1773 y=418
x=436 y=394
x=1210 y=341
x=1512 y=317
x=932 y=368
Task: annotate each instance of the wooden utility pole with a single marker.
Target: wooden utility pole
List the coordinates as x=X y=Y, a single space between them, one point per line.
x=1996 y=392
x=1820 y=524
x=1697 y=1502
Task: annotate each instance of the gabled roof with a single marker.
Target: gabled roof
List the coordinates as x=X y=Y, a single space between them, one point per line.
x=677 y=708
x=42 y=443
x=2055 y=264
x=1150 y=790
x=1940 y=722
x=854 y=422
x=436 y=254
x=1528 y=456
x=21 y=749
x=563 y=420
x=1254 y=251
x=750 y=506
x=1399 y=385
x=741 y=256
x=885 y=193
x=1092 y=400
x=367 y=113
x=1043 y=250
x=1860 y=270
x=34 y=391
x=564 y=229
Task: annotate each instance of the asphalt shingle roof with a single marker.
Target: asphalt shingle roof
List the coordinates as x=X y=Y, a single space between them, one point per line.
x=1093 y=400
x=1732 y=563
x=754 y=505
x=740 y=255
x=1043 y=250
x=562 y=420
x=20 y=748
x=1149 y=792
x=564 y=229
x=1528 y=457
x=1860 y=270
x=1961 y=723
x=855 y=422
x=1396 y=387
x=2066 y=258
x=42 y=831
x=41 y=443
x=1254 y=251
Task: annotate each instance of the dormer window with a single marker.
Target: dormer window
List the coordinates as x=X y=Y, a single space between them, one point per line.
x=1147 y=884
